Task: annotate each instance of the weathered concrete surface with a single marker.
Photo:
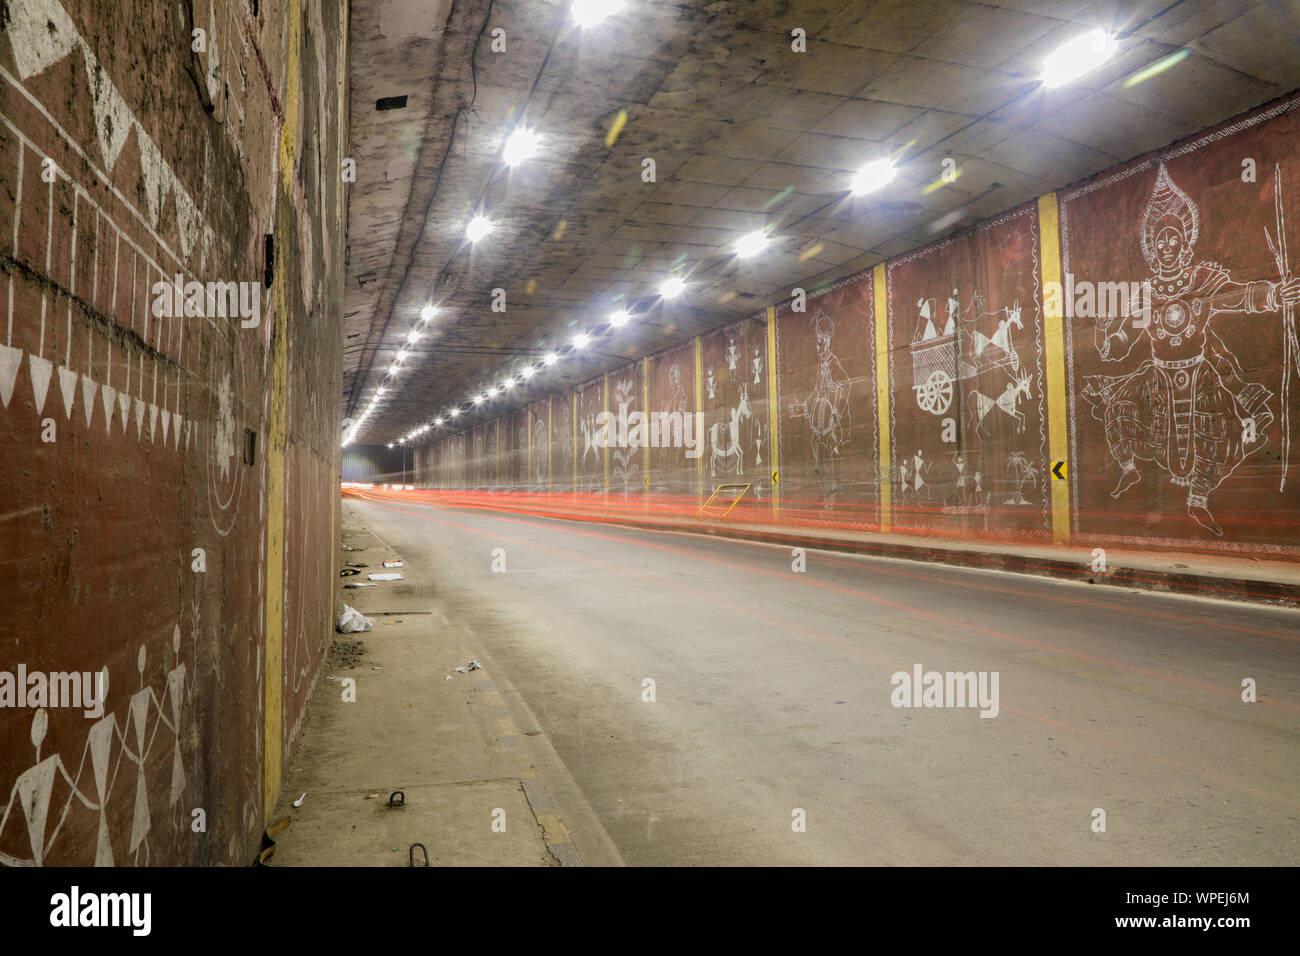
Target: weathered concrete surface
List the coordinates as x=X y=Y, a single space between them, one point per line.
x=133 y=439
x=773 y=693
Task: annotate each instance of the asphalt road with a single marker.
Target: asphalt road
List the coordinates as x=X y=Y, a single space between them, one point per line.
x=772 y=694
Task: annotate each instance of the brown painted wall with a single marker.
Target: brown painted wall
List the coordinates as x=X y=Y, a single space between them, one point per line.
x=969 y=424
x=132 y=439
x=967 y=391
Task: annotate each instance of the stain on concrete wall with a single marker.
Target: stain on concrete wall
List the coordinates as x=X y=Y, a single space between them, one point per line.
x=137 y=418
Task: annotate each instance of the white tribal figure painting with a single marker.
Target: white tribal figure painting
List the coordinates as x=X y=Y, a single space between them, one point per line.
x=1189 y=407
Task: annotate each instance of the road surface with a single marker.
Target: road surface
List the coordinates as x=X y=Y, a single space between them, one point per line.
x=773 y=700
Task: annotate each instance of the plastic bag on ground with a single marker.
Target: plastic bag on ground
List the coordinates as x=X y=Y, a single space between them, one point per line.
x=351 y=621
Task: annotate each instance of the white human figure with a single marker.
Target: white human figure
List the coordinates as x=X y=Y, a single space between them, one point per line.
x=711 y=384
x=733 y=355
x=140 y=701
x=928 y=329
x=176 y=692
x=953 y=306
x=757 y=364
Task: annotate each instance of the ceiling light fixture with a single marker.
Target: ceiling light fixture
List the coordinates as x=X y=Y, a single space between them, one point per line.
x=551 y=358
x=592 y=13
x=478 y=227
x=873 y=176
x=672 y=287
x=527 y=371
x=751 y=244
x=427 y=313
x=580 y=340
x=1081 y=55
x=522 y=144
x=620 y=318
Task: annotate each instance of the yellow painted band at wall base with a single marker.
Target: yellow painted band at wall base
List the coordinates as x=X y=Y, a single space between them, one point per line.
x=1058 y=438
x=880 y=319
x=773 y=411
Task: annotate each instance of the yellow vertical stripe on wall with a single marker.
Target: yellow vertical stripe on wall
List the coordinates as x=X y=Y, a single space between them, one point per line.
x=645 y=408
x=880 y=318
x=550 y=417
x=605 y=381
x=773 y=445
x=1058 y=439
x=277 y=431
x=699 y=407
x=573 y=406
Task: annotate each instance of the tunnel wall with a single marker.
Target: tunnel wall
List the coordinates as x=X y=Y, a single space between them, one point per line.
x=937 y=392
x=170 y=512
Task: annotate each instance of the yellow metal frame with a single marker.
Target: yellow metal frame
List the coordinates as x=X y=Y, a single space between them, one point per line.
x=704 y=508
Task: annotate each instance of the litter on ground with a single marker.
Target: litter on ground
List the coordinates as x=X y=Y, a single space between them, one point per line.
x=394 y=576
x=352 y=621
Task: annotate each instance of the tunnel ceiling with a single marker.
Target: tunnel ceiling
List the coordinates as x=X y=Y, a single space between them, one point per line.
x=745 y=134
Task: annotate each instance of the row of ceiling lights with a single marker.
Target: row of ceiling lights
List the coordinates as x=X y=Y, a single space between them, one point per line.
x=1069 y=62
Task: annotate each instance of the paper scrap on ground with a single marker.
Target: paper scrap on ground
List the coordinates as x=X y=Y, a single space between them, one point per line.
x=394 y=564
x=394 y=576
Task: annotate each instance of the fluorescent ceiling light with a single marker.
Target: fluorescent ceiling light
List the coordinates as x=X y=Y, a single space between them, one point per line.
x=1081 y=55
x=427 y=313
x=492 y=392
x=672 y=287
x=551 y=358
x=874 y=175
x=522 y=144
x=478 y=227
x=413 y=335
x=580 y=340
x=620 y=318
x=454 y=412
x=751 y=244
x=527 y=371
